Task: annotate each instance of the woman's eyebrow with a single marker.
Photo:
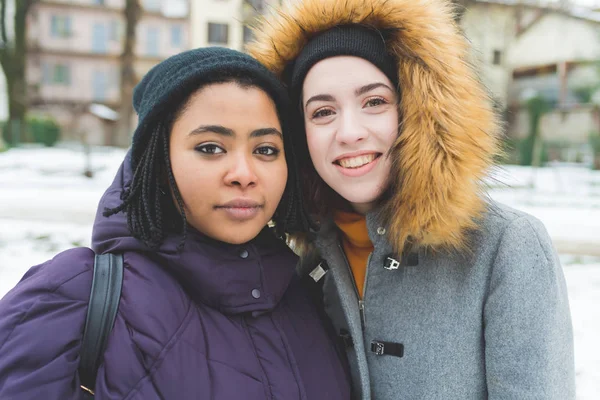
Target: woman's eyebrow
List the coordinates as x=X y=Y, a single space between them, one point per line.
x=320 y=97
x=371 y=86
x=265 y=132
x=218 y=129
x=221 y=130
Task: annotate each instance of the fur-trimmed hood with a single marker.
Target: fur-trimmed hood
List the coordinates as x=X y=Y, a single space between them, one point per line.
x=448 y=133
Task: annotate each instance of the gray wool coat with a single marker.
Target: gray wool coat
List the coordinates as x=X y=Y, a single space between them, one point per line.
x=493 y=324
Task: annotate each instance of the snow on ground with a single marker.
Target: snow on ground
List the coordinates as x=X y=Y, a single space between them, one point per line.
x=565 y=197
x=47 y=205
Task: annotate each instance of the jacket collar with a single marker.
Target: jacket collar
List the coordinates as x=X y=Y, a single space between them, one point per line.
x=328 y=233
x=233 y=279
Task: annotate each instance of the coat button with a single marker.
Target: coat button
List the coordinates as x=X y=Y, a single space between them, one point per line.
x=244 y=253
x=256 y=293
x=381 y=230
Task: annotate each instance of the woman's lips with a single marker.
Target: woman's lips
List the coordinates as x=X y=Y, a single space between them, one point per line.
x=240 y=209
x=357 y=165
x=357 y=161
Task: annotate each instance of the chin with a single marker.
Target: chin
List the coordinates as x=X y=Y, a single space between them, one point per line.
x=239 y=240
x=238 y=236
x=359 y=195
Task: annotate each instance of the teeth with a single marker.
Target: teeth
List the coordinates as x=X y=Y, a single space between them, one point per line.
x=356 y=162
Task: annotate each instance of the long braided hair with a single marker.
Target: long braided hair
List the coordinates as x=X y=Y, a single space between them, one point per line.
x=153 y=213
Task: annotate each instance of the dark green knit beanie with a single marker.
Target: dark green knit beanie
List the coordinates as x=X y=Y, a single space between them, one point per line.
x=170 y=82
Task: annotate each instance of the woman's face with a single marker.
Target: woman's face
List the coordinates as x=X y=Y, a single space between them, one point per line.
x=227 y=156
x=351 y=119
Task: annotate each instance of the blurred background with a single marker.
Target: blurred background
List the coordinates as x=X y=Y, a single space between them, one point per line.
x=69 y=68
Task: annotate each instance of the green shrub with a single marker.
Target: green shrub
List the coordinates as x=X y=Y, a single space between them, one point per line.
x=44 y=131
x=37 y=130
x=520 y=151
x=584 y=94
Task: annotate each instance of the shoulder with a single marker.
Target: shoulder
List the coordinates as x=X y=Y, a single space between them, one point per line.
x=520 y=253
x=61 y=284
x=41 y=322
x=505 y=227
x=68 y=275
x=500 y=216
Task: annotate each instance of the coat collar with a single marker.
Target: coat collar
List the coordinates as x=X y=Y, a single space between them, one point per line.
x=328 y=233
x=248 y=278
x=234 y=279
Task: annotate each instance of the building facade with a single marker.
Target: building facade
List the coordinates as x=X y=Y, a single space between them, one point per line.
x=224 y=22
x=74 y=49
x=525 y=51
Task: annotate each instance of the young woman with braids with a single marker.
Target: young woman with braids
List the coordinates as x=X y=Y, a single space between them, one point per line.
x=211 y=306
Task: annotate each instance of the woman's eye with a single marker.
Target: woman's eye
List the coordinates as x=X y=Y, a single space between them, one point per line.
x=210 y=149
x=324 y=112
x=374 y=102
x=267 y=151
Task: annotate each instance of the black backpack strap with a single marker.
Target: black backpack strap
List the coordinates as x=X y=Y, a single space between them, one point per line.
x=102 y=310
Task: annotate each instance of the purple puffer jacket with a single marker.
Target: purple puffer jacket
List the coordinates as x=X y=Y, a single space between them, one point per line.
x=215 y=321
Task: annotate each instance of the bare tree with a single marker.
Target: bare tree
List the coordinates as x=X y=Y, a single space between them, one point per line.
x=124 y=129
x=13 y=59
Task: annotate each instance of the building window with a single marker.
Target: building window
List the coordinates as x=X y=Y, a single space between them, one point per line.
x=497 y=60
x=176 y=35
x=248 y=35
x=218 y=33
x=60 y=26
x=152 y=37
x=99 y=85
x=99 y=38
x=56 y=74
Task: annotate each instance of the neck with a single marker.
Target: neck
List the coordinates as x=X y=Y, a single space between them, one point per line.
x=362 y=208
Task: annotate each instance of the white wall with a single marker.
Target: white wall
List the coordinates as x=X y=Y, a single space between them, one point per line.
x=491 y=27
x=556 y=38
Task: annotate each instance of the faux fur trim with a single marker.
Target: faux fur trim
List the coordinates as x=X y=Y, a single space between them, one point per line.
x=448 y=135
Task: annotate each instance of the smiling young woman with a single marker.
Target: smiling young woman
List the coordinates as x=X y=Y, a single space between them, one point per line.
x=351 y=124
x=436 y=291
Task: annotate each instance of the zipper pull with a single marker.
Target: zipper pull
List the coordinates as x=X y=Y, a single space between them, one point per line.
x=361 y=308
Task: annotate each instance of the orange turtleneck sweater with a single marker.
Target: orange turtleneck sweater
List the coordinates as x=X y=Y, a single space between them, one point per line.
x=356 y=243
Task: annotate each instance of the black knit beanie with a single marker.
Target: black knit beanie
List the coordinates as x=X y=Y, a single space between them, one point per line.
x=172 y=81
x=345 y=40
